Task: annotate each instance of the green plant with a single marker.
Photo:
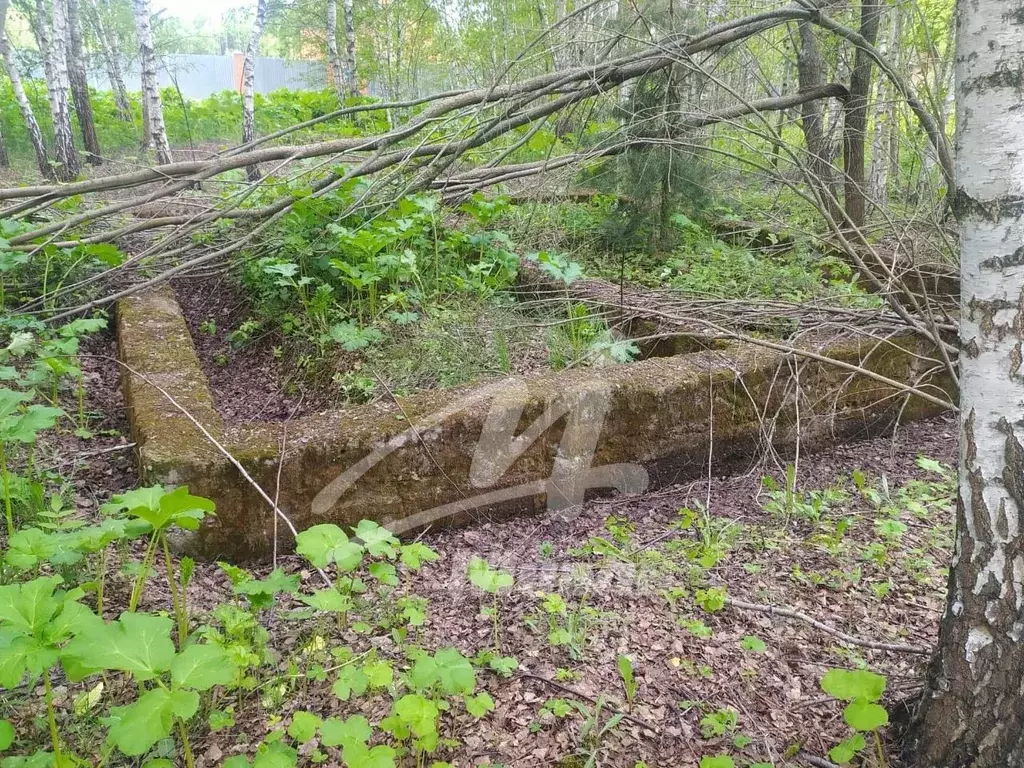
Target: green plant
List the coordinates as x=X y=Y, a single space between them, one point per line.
x=627 y=673
x=490 y=580
x=19 y=424
x=862 y=690
x=154 y=511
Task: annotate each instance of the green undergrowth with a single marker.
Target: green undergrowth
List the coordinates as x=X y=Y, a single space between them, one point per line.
x=400 y=300
x=115 y=652
x=697 y=262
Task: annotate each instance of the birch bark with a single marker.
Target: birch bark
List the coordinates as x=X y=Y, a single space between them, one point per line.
x=973 y=711
x=55 y=67
x=150 y=85
x=111 y=62
x=35 y=135
x=333 y=59
x=248 y=84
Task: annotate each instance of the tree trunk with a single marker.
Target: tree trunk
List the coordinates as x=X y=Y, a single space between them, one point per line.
x=111 y=62
x=809 y=68
x=24 y=105
x=885 y=117
x=351 y=79
x=55 y=66
x=972 y=713
x=855 y=117
x=248 y=82
x=80 y=85
x=150 y=85
x=333 y=59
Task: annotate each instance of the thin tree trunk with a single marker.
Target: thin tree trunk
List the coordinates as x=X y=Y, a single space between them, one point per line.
x=809 y=69
x=150 y=85
x=35 y=135
x=351 y=76
x=5 y=158
x=248 y=83
x=80 y=85
x=55 y=66
x=885 y=116
x=112 y=63
x=972 y=712
x=855 y=117
x=333 y=59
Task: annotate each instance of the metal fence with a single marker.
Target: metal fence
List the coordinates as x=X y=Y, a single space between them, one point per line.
x=199 y=75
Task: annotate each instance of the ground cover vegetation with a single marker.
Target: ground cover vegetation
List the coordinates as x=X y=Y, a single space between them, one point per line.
x=762 y=173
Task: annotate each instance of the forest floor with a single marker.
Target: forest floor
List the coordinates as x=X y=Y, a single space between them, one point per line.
x=861 y=544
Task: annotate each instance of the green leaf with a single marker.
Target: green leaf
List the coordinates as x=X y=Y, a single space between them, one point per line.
x=29 y=607
x=10 y=402
x=486 y=578
x=848 y=685
x=865 y=715
x=15 y=651
x=844 y=751
x=6 y=734
x=201 y=667
x=342 y=733
x=358 y=756
x=385 y=573
x=503 y=665
x=184 y=704
x=454 y=672
x=415 y=554
x=137 y=643
x=324 y=544
x=754 y=644
x=351 y=680
x=378 y=674
x=303 y=726
x=141 y=725
x=25 y=428
x=30 y=546
x=418 y=713
x=328 y=599
x=479 y=705
x=379 y=542
x=721 y=761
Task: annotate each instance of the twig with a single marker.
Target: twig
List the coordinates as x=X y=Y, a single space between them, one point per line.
x=817 y=762
x=789 y=613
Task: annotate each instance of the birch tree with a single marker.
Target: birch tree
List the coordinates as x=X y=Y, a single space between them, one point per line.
x=973 y=711
x=351 y=80
x=80 y=83
x=153 y=112
x=35 y=135
x=248 y=83
x=110 y=61
x=55 y=68
x=333 y=58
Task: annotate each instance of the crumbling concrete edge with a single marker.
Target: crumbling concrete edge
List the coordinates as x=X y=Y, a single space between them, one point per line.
x=420 y=454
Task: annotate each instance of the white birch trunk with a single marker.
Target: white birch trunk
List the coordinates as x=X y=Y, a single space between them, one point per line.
x=35 y=135
x=150 y=84
x=333 y=58
x=248 y=83
x=973 y=711
x=55 y=67
x=351 y=76
x=111 y=62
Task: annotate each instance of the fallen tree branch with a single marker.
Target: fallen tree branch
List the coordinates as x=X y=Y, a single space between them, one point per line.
x=789 y=613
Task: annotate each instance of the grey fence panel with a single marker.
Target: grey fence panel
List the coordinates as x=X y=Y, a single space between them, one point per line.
x=272 y=74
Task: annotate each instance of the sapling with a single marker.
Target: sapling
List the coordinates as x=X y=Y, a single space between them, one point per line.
x=491 y=581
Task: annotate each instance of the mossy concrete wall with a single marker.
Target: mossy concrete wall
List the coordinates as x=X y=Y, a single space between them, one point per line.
x=439 y=458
